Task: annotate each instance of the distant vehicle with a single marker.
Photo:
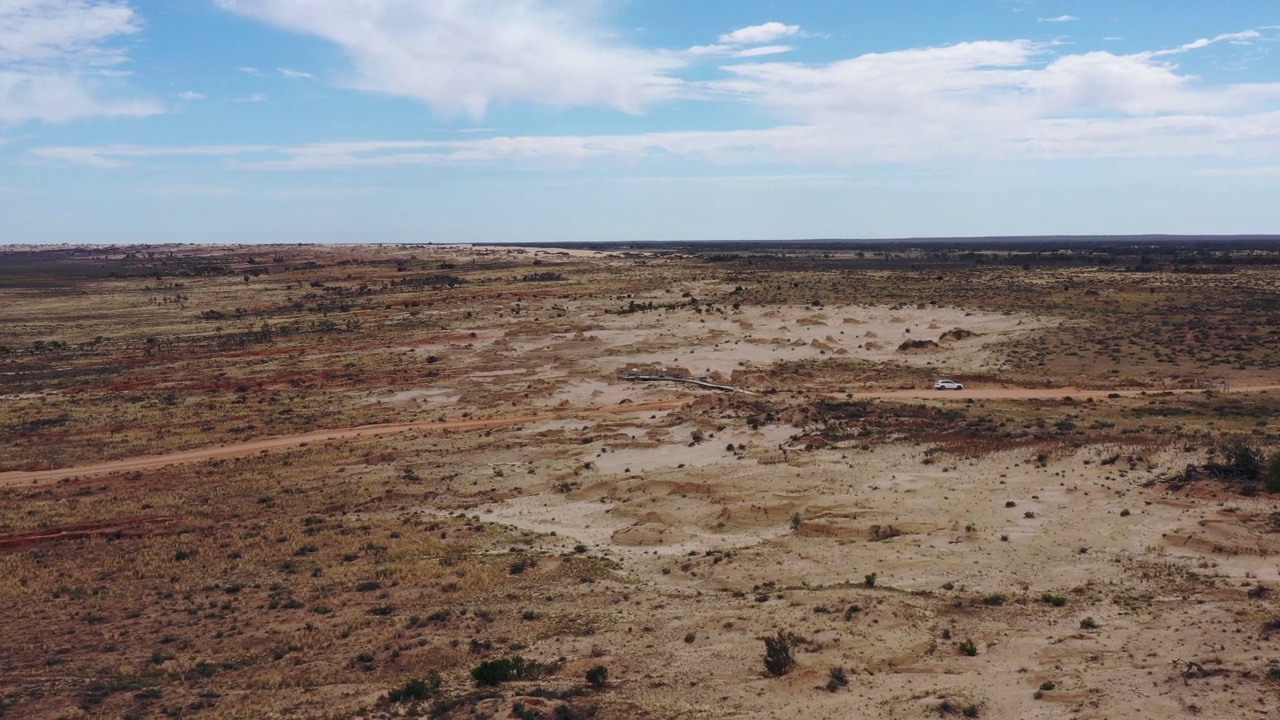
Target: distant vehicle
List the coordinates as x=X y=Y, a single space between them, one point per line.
x=947 y=385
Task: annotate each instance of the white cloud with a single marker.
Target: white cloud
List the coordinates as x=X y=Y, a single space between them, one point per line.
x=735 y=51
x=982 y=87
x=254 y=98
x=112 y=156
x=33 y=31
x=987 y=100
x=53 y=96
x=760 y=34
x=704 y=50
x=191 y=95
x=763 y=50
x=467 y=56
x=1058 y=19
x=434 y=152
x=810 y=145
x=247 y=70
x=1239 y=38
x=296 y=74
x=58 y=63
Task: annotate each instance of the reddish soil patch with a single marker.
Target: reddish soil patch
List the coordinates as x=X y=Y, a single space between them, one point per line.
x=127 y=528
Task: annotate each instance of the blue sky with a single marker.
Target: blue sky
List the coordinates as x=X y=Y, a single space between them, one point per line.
x=578 y=120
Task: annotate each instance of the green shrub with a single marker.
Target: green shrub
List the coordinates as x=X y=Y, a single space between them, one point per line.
x=1054 y=600
x=778 y=658
x=598 y=676
x=415 y=689
x=496 y=672
x=1243 y=463
x=968 y=648
x=1272 y=479
x=869 y=580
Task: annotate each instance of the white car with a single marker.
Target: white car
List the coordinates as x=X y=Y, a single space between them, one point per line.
x=947 y=385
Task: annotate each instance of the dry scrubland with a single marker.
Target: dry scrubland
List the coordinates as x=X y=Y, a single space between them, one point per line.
x=1073 y=536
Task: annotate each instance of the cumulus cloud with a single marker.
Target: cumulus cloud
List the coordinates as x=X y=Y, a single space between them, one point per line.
x=190 y=95
x=760 y=34
x=984 y=100
x=467 y=56
x=58 y=60
x=983 y=88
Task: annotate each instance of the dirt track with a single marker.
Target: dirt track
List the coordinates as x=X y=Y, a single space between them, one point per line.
x=1034 y=393
x=146 y=462
x=131 y=527
x=35 y=477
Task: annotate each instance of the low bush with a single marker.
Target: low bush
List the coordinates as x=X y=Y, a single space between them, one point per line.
x=839 y=678
x=1054 y=600
x=1272 y=479
x=778 y=657
x=495 y=672
x=415 y=689
x=598 y=677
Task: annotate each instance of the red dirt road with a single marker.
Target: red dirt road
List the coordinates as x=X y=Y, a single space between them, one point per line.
x=147 y=462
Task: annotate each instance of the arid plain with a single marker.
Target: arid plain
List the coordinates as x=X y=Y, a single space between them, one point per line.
x=400 y=481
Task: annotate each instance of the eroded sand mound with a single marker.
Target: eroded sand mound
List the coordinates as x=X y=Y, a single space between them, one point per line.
x=651 y=529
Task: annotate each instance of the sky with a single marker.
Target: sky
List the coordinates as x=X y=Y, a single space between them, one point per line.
x=544 y=121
